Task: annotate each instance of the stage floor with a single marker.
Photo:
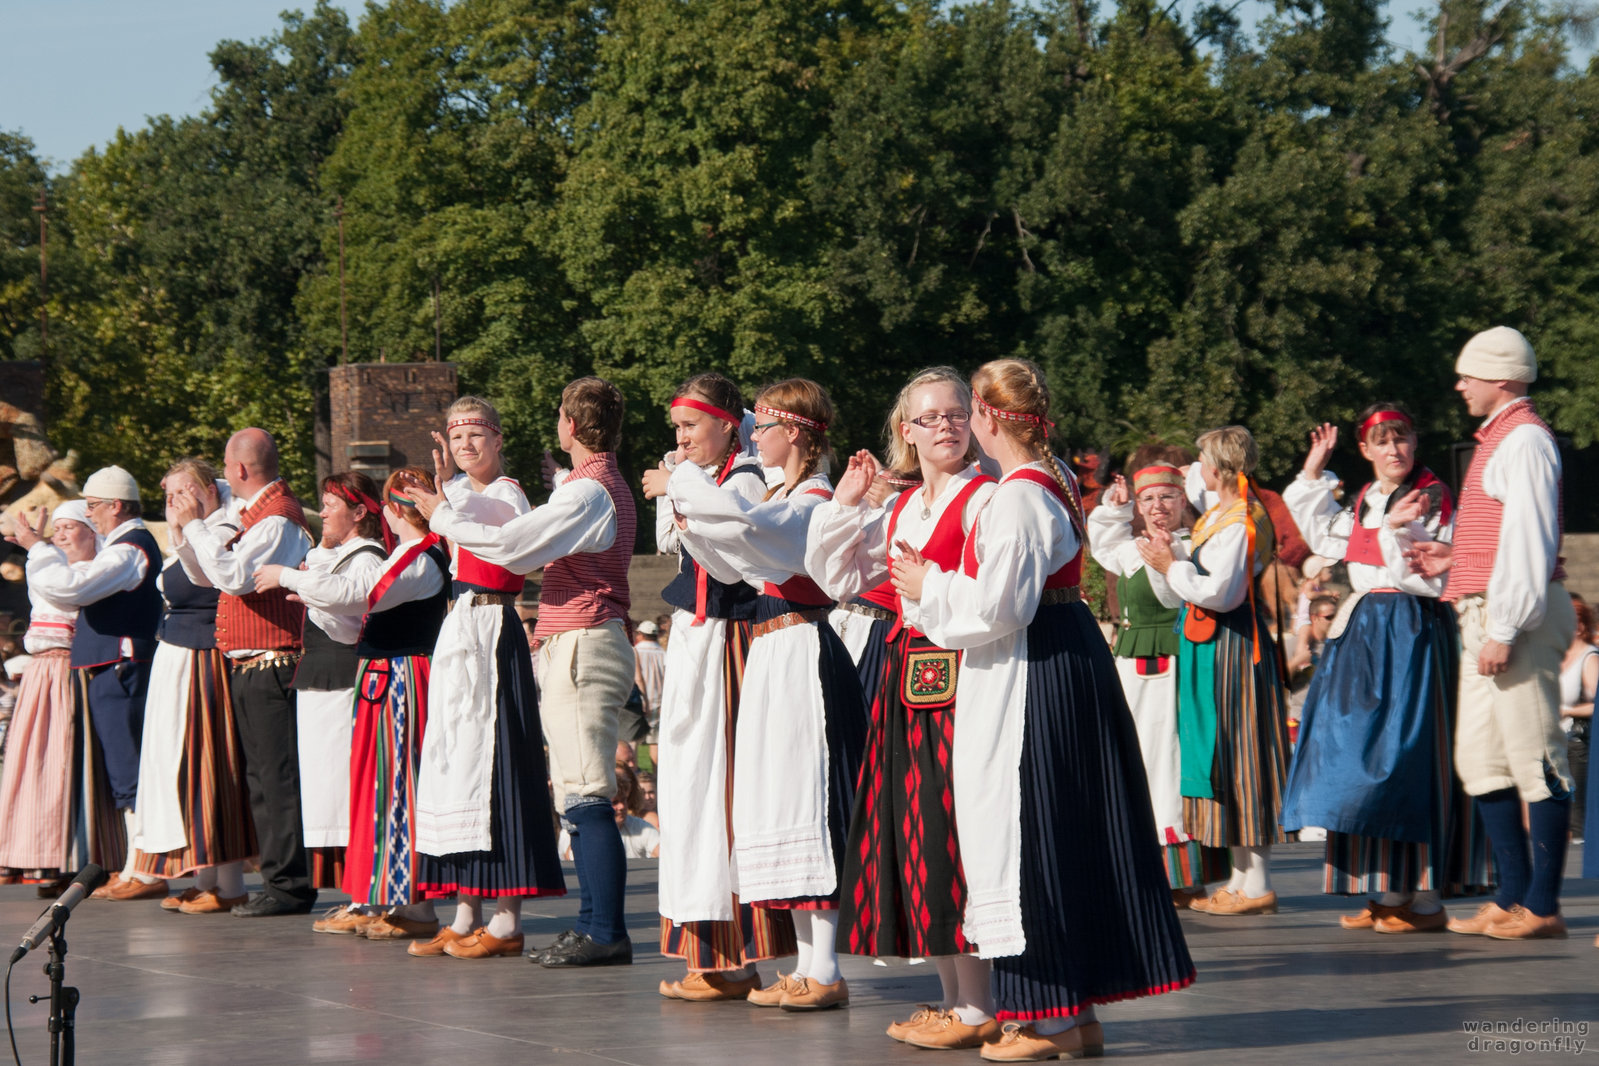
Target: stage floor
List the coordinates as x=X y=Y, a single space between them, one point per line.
x=174 y=989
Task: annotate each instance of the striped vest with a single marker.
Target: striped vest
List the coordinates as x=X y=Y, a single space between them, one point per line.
x=262 y=621
x=590 y=588
x=1479 y=515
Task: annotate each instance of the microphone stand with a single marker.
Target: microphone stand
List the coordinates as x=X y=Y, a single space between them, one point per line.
x=63 y=1002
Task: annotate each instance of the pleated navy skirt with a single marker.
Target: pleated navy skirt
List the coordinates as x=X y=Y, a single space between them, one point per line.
x=873 y=656
x=523 y=860
x=1096 y=906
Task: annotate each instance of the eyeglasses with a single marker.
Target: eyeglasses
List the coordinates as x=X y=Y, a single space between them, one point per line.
x=1162 y=497
x=89 y=505
x=761 y=427
x=932 y=419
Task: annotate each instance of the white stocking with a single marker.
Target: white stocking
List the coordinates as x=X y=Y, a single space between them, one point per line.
x=823 y=968
x=975 y=1001
x=949 y=981
x=802 y=938
x=468 y=915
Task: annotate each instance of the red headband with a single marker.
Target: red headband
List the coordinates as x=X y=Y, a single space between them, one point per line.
x=356 y=498
x=1384 y=416
x=452 y=423
x=1012 y=416
x=708 y=408
x=1158 y=474
x=790 y=416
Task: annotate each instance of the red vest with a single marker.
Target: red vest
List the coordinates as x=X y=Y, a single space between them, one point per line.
x=1364 y=546
x=1477 y=526
x=470 y=570
x=1068 y=576
x=262 y=621
x=590 y=588
x=943 y=547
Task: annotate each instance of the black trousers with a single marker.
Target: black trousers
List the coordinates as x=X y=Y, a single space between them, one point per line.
x=263 y=708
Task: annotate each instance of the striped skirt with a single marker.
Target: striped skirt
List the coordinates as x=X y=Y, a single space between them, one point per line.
x=391 y=711
x=1190 y=865
x=36 y=792
x=903 y=890
x=523 y=860
x=758 y=933
x=213 y=796
x=1250 y=763
x=1095 y=904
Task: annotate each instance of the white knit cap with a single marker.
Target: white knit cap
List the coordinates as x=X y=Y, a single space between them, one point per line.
x=111 y=483
x=1498 y=354
x=71 y=511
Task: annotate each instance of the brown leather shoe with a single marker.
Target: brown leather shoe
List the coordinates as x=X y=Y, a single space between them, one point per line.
x=1227 y=901
x=924 y=1013
x=343 y=922
x=772 y=995
x=1186 y=901
x=805 y=994
x=1525 y=925
x=712 y=988
x=132 y=888
x=104 y=891
x=1093 y=1039
x=394 y=927
x=1367 y=918
x=1405 y=920
x=1477 y=924
x=211 y=903
x=948 y=1032
x=188 y=895
x=480 y=945
x=1021 y=1043
x=434 y=948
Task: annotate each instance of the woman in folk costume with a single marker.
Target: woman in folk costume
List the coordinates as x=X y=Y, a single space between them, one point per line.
x=405 y=605
x=703 y=922
x=1231 y=710
x=863 y=620
x=40 y=789
x=802 y=723
x=903 y=888
x=355 y=544
x=1375 y=761
x=1146 y=658
x=1064 y=893
x=193 y=815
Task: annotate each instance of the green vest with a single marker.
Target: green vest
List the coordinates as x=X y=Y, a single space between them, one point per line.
x=1147 y=626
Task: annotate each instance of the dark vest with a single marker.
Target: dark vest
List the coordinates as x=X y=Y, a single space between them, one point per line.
x=409 y=628
x=135 y=614
x=328 y=665
x=735 y=601
x=191 y=618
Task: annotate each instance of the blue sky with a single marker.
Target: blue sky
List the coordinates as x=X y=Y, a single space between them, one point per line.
x=73 y=71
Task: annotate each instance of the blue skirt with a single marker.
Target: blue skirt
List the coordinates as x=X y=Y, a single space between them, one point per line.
x=1096 y=906
x=873 y=656
x=523 y=860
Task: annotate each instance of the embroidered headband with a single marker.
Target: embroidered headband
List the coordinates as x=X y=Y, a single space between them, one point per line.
x=1384 y=416
x=395 y=497
x=478 y=421
x=790 y=416
x=1158 y=474
x=709 y=408
x=899 y=481
x=1011 y=416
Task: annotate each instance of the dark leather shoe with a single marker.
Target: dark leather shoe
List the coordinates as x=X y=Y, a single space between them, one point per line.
x=262 y=905
x=586 y=951
x=567 y=938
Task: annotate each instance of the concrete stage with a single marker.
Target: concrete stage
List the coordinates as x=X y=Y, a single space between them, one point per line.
x=220 y=991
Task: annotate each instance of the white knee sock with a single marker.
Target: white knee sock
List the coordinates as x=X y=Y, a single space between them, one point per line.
x=824 y=947
x=949 y=981
x=468 y=915
x=229 y=879
x=205 y=878
x=975 y=999
x=802 y=938
x=507 y=920
x=1257 y=875
x=127 y=867
x=1427 y=902
x=1240 y=857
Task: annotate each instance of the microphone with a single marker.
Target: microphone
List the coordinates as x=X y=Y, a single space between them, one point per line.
x=89 y=878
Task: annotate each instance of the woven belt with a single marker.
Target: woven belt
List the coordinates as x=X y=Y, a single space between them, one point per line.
x=53 y=653
x=792 y=618
x=1053 y=596
x=490 y=599
x=271 y=658
x=868 y=610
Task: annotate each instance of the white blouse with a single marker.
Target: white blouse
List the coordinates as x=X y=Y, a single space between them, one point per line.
x=1327 y=528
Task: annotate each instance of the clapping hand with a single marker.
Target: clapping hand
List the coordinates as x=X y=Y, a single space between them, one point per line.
x=443 y=463
x=1117 y=495
x=1322 y=440
x=29 y=531
x=269 y=577
x=857 y=479
x=1155 y=547
x=909 y=571
x=1430 y=558
x=550 y=469
x=1412 y=507
x=184 y=506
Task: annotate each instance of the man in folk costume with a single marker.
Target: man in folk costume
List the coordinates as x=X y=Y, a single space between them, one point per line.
x=260 y=632
x=119 y=613
x=1516 y=621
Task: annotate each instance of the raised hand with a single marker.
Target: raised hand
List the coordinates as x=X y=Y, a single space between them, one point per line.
x=185 y=505
x=1118 y=494
x=1322 y=440
x=443 y=463
x=426 y=502
x=550 y=469
x=29 y=531
x=655 y=480
x=857 y=479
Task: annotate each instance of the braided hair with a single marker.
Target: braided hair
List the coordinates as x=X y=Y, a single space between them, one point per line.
x=809 y=400
x=1018 y=385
